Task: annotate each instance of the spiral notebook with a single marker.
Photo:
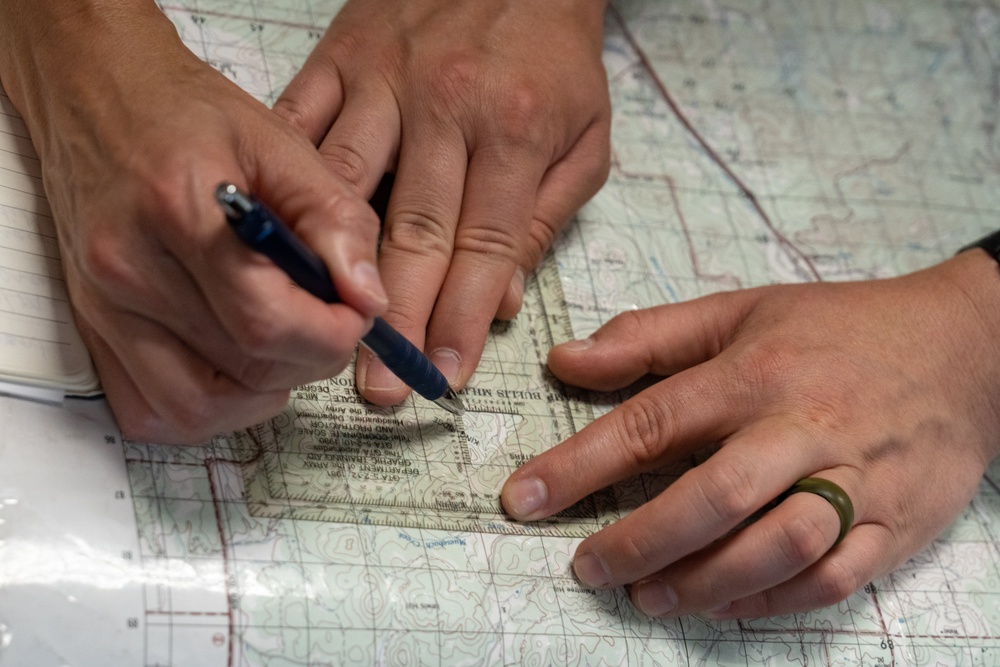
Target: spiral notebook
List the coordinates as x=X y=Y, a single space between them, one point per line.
x=42 y=355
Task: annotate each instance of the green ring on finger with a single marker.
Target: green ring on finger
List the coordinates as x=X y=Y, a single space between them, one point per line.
x=833 y=494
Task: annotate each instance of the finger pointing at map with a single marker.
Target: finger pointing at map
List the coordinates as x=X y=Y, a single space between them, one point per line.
x=830 y=382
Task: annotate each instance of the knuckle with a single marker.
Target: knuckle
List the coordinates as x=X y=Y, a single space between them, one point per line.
x=827 y=414
x=104 y=261
x=341 y=46
x=339 y=210
x=519 y=114
x=640 y=553
x=534 y=250
x=348 y=209
x=766 y=363
x=644 y=429
x=347 y=162
x=418 y=233
x=405 y=314
x=627 y=325
x=729 y=494
x=115 y=256
x=542 y=236
x=292 y=111
x=258 y=375
x=801 y=542
x=818 y=402
x=488 y=241
x=455 y=79
x=835 y=582
x=168 y=198
x=257 y=330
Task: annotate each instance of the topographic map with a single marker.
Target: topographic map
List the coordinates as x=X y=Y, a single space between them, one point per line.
x=754 y=142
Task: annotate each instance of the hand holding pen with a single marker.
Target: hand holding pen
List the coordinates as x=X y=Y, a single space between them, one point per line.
x=260 y=229
x=188 y=337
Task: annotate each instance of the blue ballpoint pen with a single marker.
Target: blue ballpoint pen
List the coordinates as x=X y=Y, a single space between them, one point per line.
x=259 y=228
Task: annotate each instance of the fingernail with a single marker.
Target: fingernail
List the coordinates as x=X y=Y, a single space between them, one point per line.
x=449 y=362
x=578 y=345
x=591 y=570
x=517 y=283
x=366 y=276
x=379 y=378
x=525 y=497
x=654 y=598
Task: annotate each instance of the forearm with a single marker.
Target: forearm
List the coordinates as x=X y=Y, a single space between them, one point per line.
x=70 y=53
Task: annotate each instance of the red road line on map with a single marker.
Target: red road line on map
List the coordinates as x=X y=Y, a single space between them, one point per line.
x=227 y=574
x=687 y=235
x=866 y=165
x=217 y=505
x=675 y=108
x=881 y=622
x=733 y=280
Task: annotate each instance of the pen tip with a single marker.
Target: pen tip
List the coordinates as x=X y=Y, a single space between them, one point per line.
x=451 y=402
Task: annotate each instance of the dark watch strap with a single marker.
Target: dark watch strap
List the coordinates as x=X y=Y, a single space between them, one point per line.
x=990 y=243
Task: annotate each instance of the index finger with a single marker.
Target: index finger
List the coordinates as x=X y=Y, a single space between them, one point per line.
x=692 y=408
x=666 y=422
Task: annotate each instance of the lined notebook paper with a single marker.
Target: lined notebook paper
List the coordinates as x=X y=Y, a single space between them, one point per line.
x=40 y=348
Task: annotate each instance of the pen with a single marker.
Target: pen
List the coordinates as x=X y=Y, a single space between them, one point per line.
x=260 y=229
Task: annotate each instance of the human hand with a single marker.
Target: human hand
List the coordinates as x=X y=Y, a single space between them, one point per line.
x=890 y=389
x=191 y=332
x=494 y=117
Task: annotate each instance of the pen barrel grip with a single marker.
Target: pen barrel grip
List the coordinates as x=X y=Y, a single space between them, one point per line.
x=304 y=267
x=405 y=360
x=262 y=231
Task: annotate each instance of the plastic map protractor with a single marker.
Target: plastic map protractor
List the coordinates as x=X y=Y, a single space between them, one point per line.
x=331 y=457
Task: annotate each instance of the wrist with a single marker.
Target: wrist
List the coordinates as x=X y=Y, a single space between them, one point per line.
x=976 y=274
x=57 y=53
x=976 y=269
x=81 y=69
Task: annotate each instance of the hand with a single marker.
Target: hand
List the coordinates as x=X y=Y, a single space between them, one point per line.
x=494 y=116
x=890 y=389
x=191 y=332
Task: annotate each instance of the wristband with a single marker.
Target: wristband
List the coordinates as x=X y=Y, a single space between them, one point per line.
x=990 y=243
